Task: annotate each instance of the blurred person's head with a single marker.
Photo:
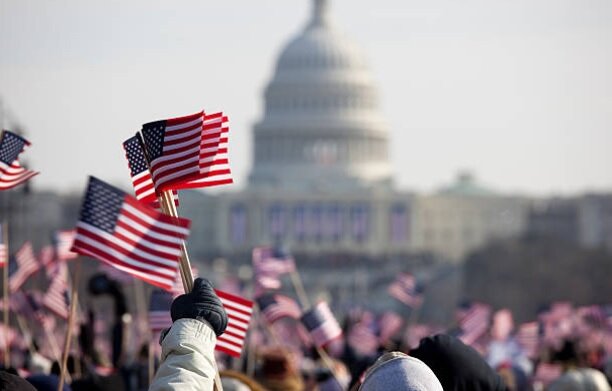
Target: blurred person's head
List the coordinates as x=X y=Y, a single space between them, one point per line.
x=279 y=370
x=12 y=382
x=457 y=366
x=238 y=381
x=398 y=371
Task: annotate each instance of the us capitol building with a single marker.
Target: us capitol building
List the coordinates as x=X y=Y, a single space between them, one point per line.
x=322 y=182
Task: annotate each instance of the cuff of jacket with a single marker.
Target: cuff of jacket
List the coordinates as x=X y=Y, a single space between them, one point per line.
x=193 y=334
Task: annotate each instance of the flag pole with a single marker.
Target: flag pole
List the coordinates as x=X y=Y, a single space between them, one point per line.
x=73 y=303
x=299 y=288
x=166 y=201
x=5 y=279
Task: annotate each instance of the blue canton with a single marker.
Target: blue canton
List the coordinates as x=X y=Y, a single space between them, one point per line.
x=135 y=155
x=153 y=134
x=160 y=300
x=313 y=319
x=10 y=147
x=102 y=205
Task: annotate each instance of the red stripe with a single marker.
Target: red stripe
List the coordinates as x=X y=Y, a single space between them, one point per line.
x=168 y=235
x=234 y=298
x=187 y=118
x=185 y=223
x=195 y=185
x=131 y=254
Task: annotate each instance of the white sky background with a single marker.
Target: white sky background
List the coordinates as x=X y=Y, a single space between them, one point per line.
x=519 y=91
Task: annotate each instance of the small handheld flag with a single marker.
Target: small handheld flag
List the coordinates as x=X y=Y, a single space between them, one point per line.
x=321 y=324
x=115 y=228
x=11 y=172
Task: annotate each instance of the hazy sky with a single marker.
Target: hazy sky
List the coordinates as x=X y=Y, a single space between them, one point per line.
x=519 y=91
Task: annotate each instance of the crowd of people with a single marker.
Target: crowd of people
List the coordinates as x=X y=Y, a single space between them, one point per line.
x=571 y=350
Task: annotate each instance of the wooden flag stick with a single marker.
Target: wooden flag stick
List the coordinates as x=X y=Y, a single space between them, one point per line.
x=167 y=202
x=25 y=330
x=5 y=286
x=299 y=288
x=73 y=304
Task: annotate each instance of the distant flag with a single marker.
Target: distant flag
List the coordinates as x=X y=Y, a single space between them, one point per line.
x=276 y=306
x=321 y=324
x=547 y=373
x=3 y=249
x=144 y=190
x=57 y=297
x=269 y=265
x=47 y=258
x=27 y=305
x=188 y=152
x=117 y=229
x=239 y=312
x=25 y=265
x=528 y=338
x=391 y=324
x=474 y=322
x=362 y=336
x=63 y=241
x=11 y=172
x=159 y=310
x=405 y=289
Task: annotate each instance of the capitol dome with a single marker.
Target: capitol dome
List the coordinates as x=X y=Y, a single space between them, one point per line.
x=321 y=127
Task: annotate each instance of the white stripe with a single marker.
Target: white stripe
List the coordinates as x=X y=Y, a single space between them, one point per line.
x=157 y=223
x=122 y=257
x=239 y=324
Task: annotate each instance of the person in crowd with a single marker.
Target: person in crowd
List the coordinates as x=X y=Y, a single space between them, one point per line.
x=398 y=371
x=187 y=347
x=457 y=366
x=577 y=377
x=12 y=382
x=279 y=371
x=238 y=381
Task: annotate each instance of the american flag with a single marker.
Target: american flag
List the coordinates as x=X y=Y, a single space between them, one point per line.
x=528 y=337
x=25 y=265
x=321 y=324
x=159 y=310
x=11 y=172
x=188 y=152
x=362 y=335
x=117 y=229
x=269 y=265
x=405 y=289
x=391 y=324
x=57 y=297
x=27 y=305
x=474 y=322
x=276 y=306
x=239 y=312
x=47 y=258
x=3 y=250
x=63 y=241
x=144 y=190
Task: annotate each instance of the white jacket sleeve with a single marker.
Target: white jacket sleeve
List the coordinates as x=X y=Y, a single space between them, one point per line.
x=188 y=361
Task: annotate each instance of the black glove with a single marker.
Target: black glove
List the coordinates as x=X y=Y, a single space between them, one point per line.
x=201 y=302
